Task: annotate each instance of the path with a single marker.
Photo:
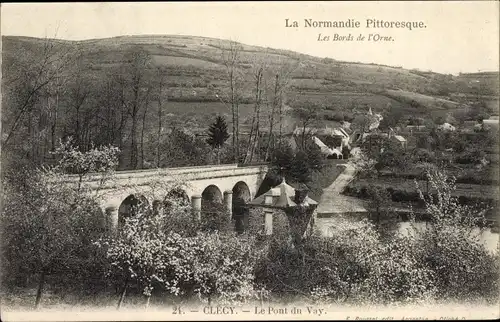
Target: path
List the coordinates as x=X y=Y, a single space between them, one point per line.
x=333 y=202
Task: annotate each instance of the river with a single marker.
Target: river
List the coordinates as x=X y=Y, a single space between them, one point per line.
x=490 y=239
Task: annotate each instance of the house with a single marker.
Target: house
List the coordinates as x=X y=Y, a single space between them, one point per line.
x=446 y=127
x=411 y=128
x=343 y=136
x=376 y=118
x=331 y=153
x=397 y=138
x=333 y=137
x=492 y=123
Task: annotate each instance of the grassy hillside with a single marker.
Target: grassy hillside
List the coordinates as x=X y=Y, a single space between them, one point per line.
x=90 y=94
x=195 y=68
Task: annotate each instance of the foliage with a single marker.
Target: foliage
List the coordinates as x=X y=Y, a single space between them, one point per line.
x=48 y=229
x=362 y=122
x=297 y=166
x=103 y=160
x=163 y=258
x=350 y=266
x=181 y=149
x=451 y=248
x=217 y=133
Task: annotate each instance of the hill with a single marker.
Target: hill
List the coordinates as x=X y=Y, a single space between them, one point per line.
x=194 y=67
x=194 y=80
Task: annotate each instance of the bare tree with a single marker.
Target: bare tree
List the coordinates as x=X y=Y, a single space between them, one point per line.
x=230 y=56
x=277 y=93
x=137 y=65
x=308 y=113
x=161 y=77
x=32 y=74
x=259 y=71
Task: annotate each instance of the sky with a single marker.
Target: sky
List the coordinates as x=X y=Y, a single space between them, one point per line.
x=459 y=36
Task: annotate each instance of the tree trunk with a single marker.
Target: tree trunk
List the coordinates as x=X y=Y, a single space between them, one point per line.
x=133 y=143
x=280 y=102
x=54 y=125
x=142 y=131
x=39 y=291
x=273 y=111
x=159 y=124
x=122 y=296
x=237 y=133
x=147 y=301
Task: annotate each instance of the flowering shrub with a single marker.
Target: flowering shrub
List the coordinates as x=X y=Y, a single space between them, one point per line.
x=450 y=246
x=210 y=265
x=47 y=231
x=396 y=275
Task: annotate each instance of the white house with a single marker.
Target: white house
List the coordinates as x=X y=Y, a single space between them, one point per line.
x=446 y=127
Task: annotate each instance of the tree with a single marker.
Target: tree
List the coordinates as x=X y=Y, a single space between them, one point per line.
x=184 y=150
x=308 y=113
x=362 y=123
x=381 y=212
x=393 y=117
x=230 y=56
x=260 y=68
x=32 y=76
x=450 y=244
x=135 y=78
x=48 y=226
x=217 y=135
x=160 y=86
x=277 y=96
x=31 y=87
x=391 y=156
x=297 y=167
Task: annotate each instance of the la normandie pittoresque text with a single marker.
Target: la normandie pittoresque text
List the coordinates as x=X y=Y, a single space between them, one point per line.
x=374 y=24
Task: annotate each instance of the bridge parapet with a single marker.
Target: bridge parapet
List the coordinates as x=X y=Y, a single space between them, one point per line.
x=145 y=177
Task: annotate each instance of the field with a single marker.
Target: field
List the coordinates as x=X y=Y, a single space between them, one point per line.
x=463 y=189
x=192 y=63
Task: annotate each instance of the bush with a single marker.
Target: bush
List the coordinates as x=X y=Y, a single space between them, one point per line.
x=48 y=229
x=351 y=266
x=191 y=260
x=463 y=268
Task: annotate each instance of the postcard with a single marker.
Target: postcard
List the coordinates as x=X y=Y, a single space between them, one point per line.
x=293 y=160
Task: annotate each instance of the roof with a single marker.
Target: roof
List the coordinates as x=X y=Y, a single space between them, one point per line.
x=336 y=151
x=446 y=126
x=340 y=132
x=491 y=122
x=324 y=148
x=400 y=138
x=282 y=195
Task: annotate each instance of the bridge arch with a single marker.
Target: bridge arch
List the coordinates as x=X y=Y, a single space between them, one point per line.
x=241 y=196
x=212 y=194
x=241 y=191
x=130 y=206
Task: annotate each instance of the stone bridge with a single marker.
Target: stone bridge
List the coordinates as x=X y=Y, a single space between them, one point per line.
x=216 y=183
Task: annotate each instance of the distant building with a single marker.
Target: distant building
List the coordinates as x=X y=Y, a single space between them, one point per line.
x=412 y=128
x=327 y=132
x=398 y=138
x=332 y=153
x=492 y=123
x=376 y=118
x=446 y=127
